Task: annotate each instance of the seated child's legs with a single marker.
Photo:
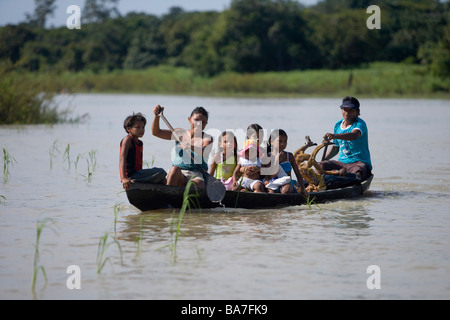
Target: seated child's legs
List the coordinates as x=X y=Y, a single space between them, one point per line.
x=248 y=183
x=151 y=175
x=258 y=187
x=287 y=188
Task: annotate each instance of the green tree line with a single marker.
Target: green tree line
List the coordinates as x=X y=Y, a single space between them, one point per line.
x=250 y=36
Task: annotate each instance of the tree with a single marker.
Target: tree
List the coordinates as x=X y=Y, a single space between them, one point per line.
x=99 y=10
x=43 y=8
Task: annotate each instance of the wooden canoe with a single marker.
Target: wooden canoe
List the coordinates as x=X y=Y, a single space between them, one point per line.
x=148 y=197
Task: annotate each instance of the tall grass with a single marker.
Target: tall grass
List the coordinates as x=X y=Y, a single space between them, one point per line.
x=36 y=264
x=103 y=245
x=375 y=80
x=8 y=161
x=23 y=100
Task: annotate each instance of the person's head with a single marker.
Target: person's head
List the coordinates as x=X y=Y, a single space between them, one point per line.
x=228 y=143
x=254 y=131
x=350 y=108
x=135 y=125
x=198 y=116
x=277 y=140
x=251 y=150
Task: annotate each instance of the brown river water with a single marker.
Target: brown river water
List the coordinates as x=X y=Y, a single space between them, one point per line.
x=402 y=225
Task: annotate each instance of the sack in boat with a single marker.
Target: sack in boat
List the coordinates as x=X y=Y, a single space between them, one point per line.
x=228 y=183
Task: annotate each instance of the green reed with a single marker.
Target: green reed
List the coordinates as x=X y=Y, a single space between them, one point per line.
x=8 y=161
x=91 y=160
x=311 y=201
x=116 y=215
x=36 y=265
x=189 y=201
x=52 y=152
x=75 y=164
x=66 y=156
x=103 y=245
x=2 y=197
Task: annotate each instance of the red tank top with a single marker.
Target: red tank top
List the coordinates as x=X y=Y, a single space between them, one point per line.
x=134 y=157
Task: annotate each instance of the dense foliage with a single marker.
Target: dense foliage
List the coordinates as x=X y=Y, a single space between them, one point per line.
x=249 y=36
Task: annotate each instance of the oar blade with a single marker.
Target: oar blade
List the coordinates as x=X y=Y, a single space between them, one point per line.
x=215 y=190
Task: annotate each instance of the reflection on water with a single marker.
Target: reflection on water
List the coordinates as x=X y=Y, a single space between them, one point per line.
x=401 y=224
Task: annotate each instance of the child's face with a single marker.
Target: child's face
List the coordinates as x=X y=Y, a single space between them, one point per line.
x=228 y=144
x=252 y=135
x=280 y=143
x=137 y=130
x=251 y=154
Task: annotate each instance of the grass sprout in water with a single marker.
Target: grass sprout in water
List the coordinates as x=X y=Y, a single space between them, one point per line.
x=189 y=201
x=52 y=152
x=91 y=160
x=310 y=202
x=66 y=156
x=8 y=161
x=103 y=245
x=36 y=265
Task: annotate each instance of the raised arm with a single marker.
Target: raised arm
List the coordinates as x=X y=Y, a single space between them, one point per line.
x=156 y=130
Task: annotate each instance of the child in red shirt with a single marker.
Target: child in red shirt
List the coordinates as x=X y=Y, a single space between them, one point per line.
x=131 y=154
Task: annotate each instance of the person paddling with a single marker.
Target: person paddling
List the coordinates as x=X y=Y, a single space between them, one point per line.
x=351 y=141
x=193 y=141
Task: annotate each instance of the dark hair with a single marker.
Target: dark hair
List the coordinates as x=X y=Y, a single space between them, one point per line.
x=275 y=134
x=231 y=134
x=353 y=100
x=200 y=110
x=255 y=128
x=130 y=121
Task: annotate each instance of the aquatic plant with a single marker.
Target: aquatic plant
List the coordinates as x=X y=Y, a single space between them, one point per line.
x=310 y=202
x=8 y=161
x=2 y=197
x=189 y=201
x=116 y=214
x=36 y=266
x=52 y=152
x=75 y=163
x=66 y=155
x=103 y=245
x=91 y=160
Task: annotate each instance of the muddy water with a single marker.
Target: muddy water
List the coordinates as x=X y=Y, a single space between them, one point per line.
x=402 y=225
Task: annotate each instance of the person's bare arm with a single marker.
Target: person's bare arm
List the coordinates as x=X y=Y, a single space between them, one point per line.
x=126 y=143
x=156 y=130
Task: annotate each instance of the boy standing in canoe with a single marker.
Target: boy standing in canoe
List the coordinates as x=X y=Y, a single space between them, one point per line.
x=131 y=154
x=350 y=141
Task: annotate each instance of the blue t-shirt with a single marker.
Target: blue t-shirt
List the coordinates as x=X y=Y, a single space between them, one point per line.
x=355 y=150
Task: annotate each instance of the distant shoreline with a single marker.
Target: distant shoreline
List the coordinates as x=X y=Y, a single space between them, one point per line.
x=378 y=80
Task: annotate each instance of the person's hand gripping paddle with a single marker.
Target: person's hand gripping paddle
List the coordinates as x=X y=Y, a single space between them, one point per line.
x=214 y=188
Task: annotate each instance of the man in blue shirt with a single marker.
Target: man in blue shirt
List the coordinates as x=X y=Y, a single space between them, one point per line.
x=350 y=141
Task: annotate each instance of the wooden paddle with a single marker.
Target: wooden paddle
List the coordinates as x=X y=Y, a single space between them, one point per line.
x=326 y=142
x=215 y=189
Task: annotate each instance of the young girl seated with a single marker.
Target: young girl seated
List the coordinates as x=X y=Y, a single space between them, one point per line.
x=224 y=162
x=277 y=146
x=251 y=163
